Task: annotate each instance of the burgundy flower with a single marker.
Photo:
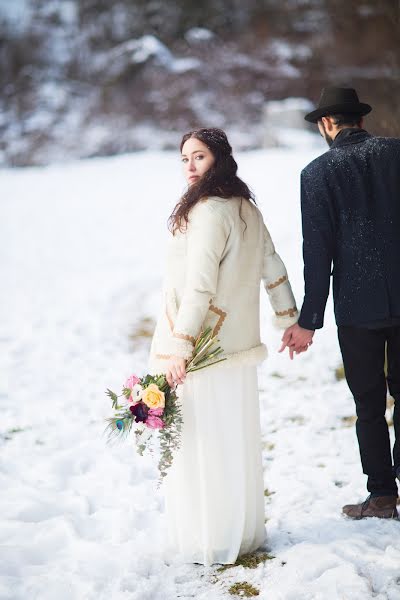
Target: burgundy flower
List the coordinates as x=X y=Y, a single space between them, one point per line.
x=140 y=411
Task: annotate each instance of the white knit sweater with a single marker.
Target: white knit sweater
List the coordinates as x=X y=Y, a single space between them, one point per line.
x=212 y=278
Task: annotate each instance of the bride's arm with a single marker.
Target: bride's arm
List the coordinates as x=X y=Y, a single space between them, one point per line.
x=276 y=283
x=207 y=234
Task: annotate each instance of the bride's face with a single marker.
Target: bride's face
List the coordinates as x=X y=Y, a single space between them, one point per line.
x=196 y=160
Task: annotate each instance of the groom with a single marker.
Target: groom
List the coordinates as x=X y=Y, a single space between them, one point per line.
x=350 y=203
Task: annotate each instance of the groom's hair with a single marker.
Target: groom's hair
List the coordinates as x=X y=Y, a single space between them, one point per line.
x=346 y=118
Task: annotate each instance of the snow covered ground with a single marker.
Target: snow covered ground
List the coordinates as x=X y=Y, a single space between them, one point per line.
x=81 y=520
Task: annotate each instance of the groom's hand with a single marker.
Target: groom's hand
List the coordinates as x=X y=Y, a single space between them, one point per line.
x=296 y=339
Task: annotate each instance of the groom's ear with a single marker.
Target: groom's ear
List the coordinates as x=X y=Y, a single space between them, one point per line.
x=328 y=123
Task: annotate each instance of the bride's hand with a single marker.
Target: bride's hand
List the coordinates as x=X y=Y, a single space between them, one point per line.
x=297 y=339
x=175 y=371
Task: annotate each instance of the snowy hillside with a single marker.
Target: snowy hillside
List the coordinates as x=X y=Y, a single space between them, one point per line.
x=80 y=520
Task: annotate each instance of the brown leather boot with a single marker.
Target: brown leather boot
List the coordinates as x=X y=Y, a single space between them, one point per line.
x=383 y=507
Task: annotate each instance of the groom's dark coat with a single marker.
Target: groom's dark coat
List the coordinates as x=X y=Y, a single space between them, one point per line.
x=350 y=202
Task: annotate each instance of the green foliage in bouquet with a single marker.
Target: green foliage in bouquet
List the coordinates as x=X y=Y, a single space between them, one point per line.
x=121 y=423
x=166 y=418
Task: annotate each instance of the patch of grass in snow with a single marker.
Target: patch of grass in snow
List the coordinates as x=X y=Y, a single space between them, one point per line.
x=348 y=421
x=141 y=333
x=243 y=589
x=268 y=446
x=249 y=561
x=277 y=375
x=339 y=373
x=10 y=432
x=268 y=493
x=389 y=413
x=298 y=419
x=143 y=329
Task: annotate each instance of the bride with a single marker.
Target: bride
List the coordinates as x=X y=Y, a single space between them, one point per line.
x=219 y=252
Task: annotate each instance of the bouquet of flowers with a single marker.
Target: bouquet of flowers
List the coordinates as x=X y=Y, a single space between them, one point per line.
x=152 y=405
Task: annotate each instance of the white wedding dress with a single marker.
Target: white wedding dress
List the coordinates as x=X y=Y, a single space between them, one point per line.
x=214 y=492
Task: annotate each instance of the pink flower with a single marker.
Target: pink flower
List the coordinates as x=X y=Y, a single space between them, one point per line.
x=131 y=381
x=154 y=422
x=157 y=412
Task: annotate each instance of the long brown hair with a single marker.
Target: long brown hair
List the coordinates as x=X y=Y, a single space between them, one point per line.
x=220 y=179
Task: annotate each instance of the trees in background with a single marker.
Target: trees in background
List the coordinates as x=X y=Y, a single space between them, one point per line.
x=118 y=65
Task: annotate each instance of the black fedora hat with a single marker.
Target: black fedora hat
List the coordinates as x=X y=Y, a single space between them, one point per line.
x=335 y=100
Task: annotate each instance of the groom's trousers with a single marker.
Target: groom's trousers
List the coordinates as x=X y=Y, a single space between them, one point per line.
x=363 y=351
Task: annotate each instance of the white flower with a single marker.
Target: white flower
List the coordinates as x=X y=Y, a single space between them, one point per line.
x=137 y=392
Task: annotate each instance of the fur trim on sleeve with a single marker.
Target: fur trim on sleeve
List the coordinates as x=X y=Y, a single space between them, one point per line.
x=284 y=322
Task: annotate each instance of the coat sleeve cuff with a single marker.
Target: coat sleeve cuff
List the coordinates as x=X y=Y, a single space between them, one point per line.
x=305 y=323
x=182 y=347
x=284 y=322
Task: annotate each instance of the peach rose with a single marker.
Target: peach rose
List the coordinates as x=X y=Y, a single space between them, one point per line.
x=153 y=397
